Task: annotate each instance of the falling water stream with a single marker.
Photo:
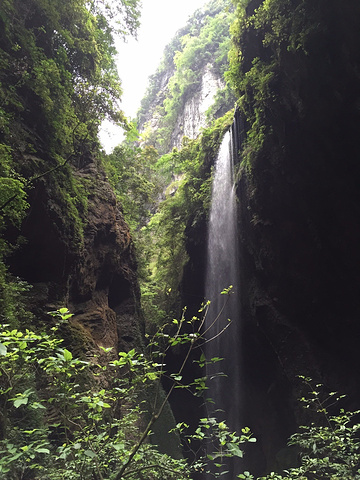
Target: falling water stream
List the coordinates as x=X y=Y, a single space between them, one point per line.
x=223 y=271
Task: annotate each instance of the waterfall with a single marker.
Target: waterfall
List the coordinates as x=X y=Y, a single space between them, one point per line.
x=223 y=271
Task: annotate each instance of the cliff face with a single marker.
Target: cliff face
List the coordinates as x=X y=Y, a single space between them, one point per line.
x=55 y=88
x=296 y=71
x=185 y=86
x=104 y=291
x=95 y=277
x=192 y=117
x=300 y=218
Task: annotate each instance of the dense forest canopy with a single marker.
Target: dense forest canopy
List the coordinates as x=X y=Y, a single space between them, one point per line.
x=60 y=56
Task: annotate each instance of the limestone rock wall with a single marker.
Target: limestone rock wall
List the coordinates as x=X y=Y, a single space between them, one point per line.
x=192 y=118
x=96 y=278
x=300 y=229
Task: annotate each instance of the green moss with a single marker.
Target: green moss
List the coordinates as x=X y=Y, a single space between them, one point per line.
x=263 y=39
x=162 y=243
x=73 y=196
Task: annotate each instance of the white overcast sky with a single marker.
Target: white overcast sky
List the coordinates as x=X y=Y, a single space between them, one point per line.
x=138 y=59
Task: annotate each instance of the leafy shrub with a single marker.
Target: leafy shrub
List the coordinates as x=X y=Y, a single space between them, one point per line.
x=329 y=447
x=65 y=417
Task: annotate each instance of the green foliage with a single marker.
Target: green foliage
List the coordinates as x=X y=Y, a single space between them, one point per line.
x=223 y=99
x=59 y=60
x=131 y=171
x=13 y=203
x=205 y=38
x=13 y=207
x=221 y=442
x=85 y=420
x=263 y=39
x=63 y=416
x=13 y=301
x=162 y=242
x=57 y=82
x=13 y=200
x=329 y=446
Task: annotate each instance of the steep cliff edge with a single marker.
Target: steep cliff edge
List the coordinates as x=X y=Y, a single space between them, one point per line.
x=57 y=83
x=298 y=82
x=188 y=89
x=192 y=117
x=95 y=276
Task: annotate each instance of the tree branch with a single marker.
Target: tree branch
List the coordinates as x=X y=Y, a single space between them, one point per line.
x=153 y=418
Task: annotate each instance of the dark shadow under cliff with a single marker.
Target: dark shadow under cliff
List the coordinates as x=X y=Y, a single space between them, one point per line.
x=299 y=220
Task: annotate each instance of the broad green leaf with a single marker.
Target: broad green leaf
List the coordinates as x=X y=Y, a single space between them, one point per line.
x=37 y=405
x=216 y=359
x=234 y=450
x=42 y=450
x=15 y=457
x=118 y=446
x=106 y=350
x=21 y=401
x=67 y=355
x=3 y=349
x=90 y=453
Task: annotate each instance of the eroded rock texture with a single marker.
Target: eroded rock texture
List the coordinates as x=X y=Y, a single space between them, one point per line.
x=192 y=117
x=95 y=276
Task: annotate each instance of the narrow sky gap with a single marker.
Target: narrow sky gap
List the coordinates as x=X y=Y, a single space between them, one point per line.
x=138 y=59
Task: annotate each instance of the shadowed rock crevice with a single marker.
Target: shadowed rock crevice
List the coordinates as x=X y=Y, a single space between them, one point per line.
x=95 y=275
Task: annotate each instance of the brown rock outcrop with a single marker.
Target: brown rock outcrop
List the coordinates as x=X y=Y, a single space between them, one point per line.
x=95 y=277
